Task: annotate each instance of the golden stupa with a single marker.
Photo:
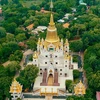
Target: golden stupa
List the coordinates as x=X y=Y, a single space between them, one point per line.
x=52 y=32
x=51 y=36
x=80 y=89
x=15 y=87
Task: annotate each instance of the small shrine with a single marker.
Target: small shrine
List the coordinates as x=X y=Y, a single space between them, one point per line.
x=80 y=89
x=16 y=90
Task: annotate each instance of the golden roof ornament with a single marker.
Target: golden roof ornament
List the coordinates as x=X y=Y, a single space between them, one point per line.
x=51 y=20
x=35 y=56
x=66 y=43
x=66 y=56
x=15 y=87
x=39 y=41
x=80 y=89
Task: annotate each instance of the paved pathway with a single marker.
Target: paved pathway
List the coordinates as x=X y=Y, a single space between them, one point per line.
x=48 y=97
x=27 y=52
x=81 y=54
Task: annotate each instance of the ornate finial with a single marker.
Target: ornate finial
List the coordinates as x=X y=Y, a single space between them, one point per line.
x=51 y=17
x=35 y=56
x=51 y=5
x=51 y=20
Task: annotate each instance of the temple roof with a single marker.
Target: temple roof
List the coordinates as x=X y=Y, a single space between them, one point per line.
x=79 y=88
x=15 y=87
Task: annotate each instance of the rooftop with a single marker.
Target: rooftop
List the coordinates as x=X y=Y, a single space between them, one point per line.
x=66 y=25
x=98 y=95
x=30 y=27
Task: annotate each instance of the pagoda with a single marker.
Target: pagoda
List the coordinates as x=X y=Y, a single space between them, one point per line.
x=80 y=89
x=53 y=59
x=16 y=90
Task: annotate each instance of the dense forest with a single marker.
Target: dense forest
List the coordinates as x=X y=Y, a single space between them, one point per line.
x=83 y=35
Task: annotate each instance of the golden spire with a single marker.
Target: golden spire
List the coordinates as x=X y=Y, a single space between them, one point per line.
x=39 y=41
x=35 y=56
x=52 y=36
x=51 y=20
x=15 y=87
x=51 y=17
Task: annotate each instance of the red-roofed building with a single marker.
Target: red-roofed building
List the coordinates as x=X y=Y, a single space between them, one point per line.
x=22 y=44
x=30 y=27
x=98 y=95
x=66 y=25
x=44 y=11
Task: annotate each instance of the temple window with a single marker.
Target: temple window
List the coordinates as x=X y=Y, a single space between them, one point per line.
x=56 y=70
x=56 y=62
x=65 y=65
x=51 y=63
x=60 y=73
x=46 y=56
x=40 y=73
x=45 y=69
x=40 y=69
x=45 y=62
x=65 y=74
x=55 y=56
x=51 y=49
x=60 y=69
x=72 y=67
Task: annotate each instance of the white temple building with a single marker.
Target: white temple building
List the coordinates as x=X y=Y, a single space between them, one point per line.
x=53 y=59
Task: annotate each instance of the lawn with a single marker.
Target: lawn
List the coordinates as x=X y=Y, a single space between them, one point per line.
x=31 y=2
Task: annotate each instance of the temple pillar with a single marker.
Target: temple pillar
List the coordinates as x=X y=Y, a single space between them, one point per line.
x=56 y=79
x=44 y=79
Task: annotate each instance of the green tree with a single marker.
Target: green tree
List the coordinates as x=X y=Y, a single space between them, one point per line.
x=32 y=43
x=28 y=75
x=76 y=45
x=15 y=1
x=44 y=21
x=2 y=2
x=68 y=84
x=81 y=9
x=2 y=32
x=19 y=30
x=10 y=37
x=13 y=68
x=76 y=74
x=20 y=37
x=4 y=87
x=5 y=82
x=11 y=27
x=17 y=56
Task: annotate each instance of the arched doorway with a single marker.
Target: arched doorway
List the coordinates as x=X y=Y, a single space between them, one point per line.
x=50 y=80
